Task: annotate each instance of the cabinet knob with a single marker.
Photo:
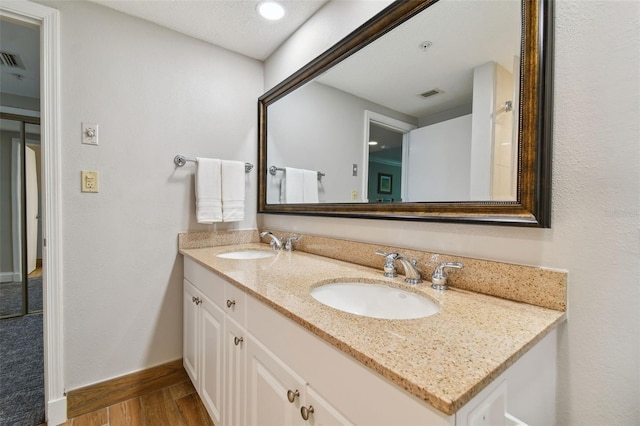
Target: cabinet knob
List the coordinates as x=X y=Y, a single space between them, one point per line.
x=305 y=412
x=193 y=299
x=230 y=303
x=237 y=340
x=198 y=301
x=291 y=395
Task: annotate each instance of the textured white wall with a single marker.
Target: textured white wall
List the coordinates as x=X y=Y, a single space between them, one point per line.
x=596 y=204
x=155 y=93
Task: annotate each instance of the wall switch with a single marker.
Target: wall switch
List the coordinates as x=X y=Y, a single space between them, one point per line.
x=89 y=181
x=354 y=170
x=90 y=133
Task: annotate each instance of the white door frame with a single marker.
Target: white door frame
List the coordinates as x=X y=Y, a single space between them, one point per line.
x=48 y=19
x=390 y=123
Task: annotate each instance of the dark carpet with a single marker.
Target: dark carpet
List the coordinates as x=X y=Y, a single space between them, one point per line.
x=11 y=297
x=21 y=371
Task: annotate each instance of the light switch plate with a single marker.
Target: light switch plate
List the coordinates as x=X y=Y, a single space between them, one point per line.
x=90 y=133
x=89 y=181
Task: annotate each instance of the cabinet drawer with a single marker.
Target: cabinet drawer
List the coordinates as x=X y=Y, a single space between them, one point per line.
x=204 y=280
x=235 y=303
x=364 y=397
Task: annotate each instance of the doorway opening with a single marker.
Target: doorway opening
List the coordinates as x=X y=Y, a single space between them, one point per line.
x=22 y=381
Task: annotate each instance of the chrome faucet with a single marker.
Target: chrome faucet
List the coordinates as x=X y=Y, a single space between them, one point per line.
x=412 y=274
x=439 y=277
x=275 y=243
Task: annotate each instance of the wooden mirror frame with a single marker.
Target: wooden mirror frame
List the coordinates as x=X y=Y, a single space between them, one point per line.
x=533 y=205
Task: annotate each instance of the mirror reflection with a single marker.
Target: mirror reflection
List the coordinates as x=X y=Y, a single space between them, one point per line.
x=426 y=113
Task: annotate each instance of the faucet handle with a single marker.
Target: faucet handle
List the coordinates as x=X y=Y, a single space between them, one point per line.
x=389 y=264
x=289 y=244
x=439 y=277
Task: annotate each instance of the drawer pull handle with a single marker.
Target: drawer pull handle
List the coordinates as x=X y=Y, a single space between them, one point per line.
x=230 y=303
x=291 y=395
x=305 y=412
x=237 y=340
x=196 y=300
x=193 y=299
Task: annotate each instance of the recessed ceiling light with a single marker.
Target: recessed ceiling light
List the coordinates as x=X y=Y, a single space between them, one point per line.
x=271 y=10
x=373 y=143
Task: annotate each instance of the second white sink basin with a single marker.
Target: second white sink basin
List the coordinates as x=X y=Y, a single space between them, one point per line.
x=246 y=254
x=374 y=300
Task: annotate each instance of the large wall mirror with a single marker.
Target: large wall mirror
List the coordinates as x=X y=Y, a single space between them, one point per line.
x=432 y=110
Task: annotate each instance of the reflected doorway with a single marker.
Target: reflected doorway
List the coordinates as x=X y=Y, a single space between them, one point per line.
x=385 y=163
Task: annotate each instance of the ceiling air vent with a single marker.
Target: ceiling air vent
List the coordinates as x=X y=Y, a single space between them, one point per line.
x=430 y=93
x=11 y=60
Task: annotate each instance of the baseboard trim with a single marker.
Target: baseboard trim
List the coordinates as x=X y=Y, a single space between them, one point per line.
x=104 y=394
x=9 y=277
x=57 y=411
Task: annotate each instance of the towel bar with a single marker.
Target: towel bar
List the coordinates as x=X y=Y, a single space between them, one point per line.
x=274 y=169
x=181 y=160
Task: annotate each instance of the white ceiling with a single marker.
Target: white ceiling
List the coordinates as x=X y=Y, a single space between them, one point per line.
x=23 y=40
x=232 y=24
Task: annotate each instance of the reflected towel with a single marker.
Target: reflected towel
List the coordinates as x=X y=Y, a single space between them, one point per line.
x=301 y=186
x=233 y=177
x=310 y=186
x=293 y=185
x=208 y=190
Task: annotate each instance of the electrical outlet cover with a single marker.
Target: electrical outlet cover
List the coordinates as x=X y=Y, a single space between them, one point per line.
x=89 y=180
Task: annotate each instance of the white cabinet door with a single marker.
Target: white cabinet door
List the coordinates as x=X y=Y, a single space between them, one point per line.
x=191 y=326
x=212 y=354
x=234 y=364
x=324 y=414
x=274 y=391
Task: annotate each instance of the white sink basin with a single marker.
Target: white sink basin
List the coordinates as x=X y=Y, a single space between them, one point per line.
x=246 y=254
x=374 y=300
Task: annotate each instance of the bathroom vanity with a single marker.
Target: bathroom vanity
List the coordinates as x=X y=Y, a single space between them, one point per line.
x=260 y=350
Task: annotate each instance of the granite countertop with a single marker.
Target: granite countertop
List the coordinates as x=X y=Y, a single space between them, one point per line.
x=444 y=359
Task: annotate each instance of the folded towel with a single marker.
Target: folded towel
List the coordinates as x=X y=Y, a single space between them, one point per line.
x=301 y=186
x=208 y=191
x=233 y=177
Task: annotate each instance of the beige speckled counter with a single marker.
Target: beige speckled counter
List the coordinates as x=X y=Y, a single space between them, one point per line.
x=444 y=359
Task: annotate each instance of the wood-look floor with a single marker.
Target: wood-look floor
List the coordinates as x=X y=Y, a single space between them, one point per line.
x=38 y=271
x=177 y=405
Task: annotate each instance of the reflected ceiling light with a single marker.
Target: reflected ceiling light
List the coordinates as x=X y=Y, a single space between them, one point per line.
x=373 y=143
x=271 y=10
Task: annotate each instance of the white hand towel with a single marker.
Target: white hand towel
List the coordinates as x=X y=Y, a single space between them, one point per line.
x=310 y=186
x=233 y=176
x=294 y=185
x=208 y=191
